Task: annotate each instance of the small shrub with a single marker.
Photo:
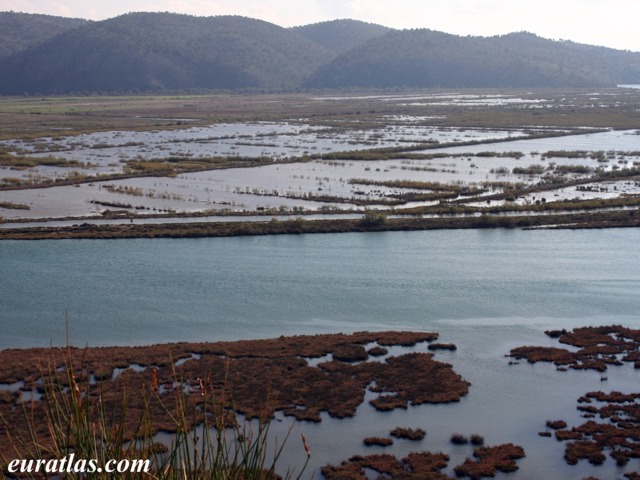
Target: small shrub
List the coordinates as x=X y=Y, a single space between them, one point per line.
x=372 y=218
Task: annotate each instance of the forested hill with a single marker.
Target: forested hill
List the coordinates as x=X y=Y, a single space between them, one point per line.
x=160 y=51
x=20 y=31
x=154 y=52
x=341 y=35
x=426 y=58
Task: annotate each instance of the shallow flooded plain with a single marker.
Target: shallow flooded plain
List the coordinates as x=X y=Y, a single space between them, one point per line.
x=324 y=164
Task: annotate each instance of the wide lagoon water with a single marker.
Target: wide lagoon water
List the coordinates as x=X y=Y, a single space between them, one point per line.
x=141 y=291
x=485 y=290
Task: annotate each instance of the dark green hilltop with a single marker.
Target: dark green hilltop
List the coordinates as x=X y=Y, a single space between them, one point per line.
x=165 y=52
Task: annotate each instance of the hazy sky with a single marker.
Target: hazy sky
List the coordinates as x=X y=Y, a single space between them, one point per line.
x=612 y=23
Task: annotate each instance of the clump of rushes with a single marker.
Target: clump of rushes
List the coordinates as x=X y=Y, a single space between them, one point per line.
x=477 y=440
x=91 y=423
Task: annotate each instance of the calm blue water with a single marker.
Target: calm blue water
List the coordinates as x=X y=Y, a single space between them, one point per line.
x=485 y=291
x=148 y=291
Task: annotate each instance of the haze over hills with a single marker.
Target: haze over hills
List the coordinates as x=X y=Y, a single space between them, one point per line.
x=154 y=52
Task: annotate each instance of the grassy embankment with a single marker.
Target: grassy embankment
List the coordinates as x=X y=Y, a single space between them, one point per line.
x=371 y=222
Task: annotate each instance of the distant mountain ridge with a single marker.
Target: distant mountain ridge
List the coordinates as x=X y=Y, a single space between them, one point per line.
x=426 y=58
x=160 y=51
x=155 y=52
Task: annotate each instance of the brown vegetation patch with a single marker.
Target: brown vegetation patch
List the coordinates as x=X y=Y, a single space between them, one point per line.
x=408 y=433
x=350 y=353
x=490 y=460
x=377 y=441
x=459 y=439
x=562 y=435
x=443 y=346
x=254 y=378
x=583 y=450
x=416 y=466
x=377 y=351
x=416 y=378
x=556 y=424
x=620 y=436
x=598 y=347
x=618 y=432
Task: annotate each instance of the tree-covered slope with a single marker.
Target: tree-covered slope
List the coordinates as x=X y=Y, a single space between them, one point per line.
x=157 y=51
x=20 y=31
x=341 y=35
x=426 y=58
x=145 y=52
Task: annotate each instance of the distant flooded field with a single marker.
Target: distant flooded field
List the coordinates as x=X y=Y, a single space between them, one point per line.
x=401 y=155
